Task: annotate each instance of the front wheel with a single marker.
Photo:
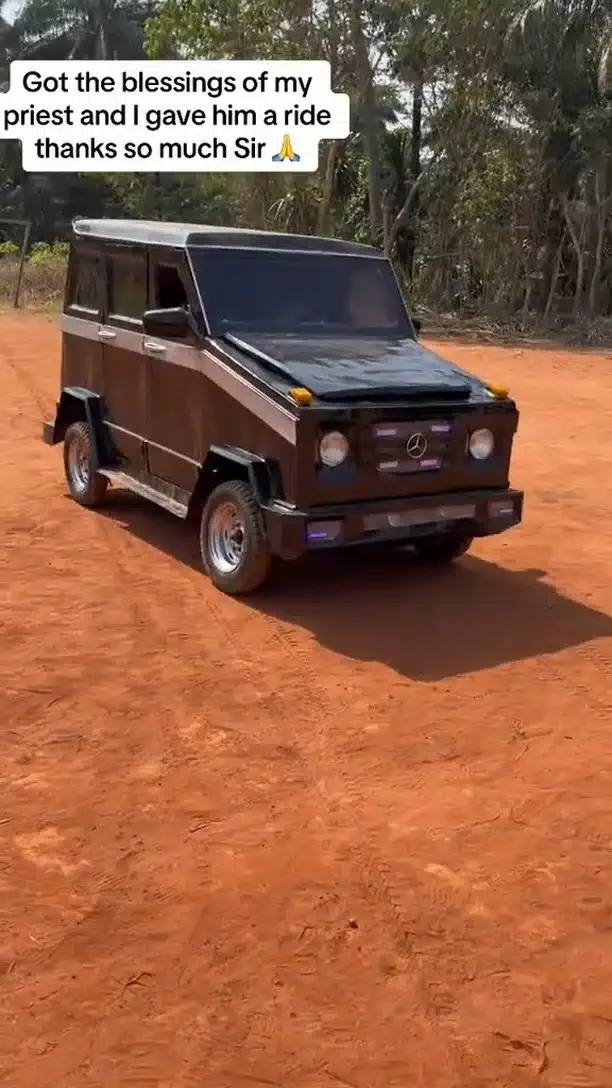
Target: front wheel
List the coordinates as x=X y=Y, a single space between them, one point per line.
x=442 y=548
x=233 y=544
x=85 y=484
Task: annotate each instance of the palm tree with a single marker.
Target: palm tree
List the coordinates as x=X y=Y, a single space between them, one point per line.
x=558 y=63
x=6 y=51
x=81 y=29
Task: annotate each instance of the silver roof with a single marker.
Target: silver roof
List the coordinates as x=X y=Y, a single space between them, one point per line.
x=179 y=235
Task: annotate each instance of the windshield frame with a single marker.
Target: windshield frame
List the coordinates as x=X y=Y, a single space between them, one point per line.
x=404 y=329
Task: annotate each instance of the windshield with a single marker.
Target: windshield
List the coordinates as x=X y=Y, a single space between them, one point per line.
x=300 y=293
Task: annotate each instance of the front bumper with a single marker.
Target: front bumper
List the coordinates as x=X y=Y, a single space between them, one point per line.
x=293 y=532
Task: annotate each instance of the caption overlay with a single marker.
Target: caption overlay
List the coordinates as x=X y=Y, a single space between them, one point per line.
x=167 y=116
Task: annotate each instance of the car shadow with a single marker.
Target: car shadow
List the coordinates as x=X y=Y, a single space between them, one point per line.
x=425 y=623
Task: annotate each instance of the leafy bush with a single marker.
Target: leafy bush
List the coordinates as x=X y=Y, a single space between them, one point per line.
x=42 y=254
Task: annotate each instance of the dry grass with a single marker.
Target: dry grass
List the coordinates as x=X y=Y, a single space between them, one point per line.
x=480 y=328
x=42 y=286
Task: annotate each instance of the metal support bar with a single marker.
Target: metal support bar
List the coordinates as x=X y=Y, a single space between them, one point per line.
x=27 y=231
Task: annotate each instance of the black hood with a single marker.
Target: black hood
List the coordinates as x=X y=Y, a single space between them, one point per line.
x=334 y=367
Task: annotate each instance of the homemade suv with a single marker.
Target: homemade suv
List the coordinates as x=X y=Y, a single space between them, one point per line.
x=272 y=386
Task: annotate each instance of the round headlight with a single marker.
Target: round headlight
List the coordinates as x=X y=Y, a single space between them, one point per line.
x=481 y=444
x=333 y=449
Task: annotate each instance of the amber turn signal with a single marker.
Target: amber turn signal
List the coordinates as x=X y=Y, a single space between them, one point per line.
x=301 y=395
x=499 y=391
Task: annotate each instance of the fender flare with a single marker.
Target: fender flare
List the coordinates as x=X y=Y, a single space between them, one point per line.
x=81 y=405
x=261 y=474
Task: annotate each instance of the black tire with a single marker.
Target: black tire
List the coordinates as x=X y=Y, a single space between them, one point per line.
x=442 y=548
x=86 y=486
x=234 y=549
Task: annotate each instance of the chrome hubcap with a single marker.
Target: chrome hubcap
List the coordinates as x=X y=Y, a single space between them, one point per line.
x=78 y=464
x=226 y=538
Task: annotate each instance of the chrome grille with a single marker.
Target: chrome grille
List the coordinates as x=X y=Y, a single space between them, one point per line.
x=413 y=447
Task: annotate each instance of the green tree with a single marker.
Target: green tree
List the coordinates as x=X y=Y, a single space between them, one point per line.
x=557 y=52
x=80 y=29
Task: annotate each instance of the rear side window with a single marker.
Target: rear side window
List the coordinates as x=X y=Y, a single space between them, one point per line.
x=127 y=281
x=84 y=287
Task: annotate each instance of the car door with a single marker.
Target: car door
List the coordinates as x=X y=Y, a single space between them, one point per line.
x=123 y=360
x=83 y=306
x=176 y=403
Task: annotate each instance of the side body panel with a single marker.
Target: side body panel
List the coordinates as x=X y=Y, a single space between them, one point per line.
x=81 y=358
x=124 y=365
x=205 y=403
x=200 y=401
x=175 y=397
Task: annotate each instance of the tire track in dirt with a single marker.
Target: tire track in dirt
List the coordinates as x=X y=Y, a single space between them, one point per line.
x=118 y=557
x=376 y=877
x=124 y=559
x=127 y=558
x=149 y=618
x=569 y=680
x=313 y=748
x=24 y=378
x=311 y=742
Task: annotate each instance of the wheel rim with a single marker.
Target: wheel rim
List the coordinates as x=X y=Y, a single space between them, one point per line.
x=226 y=535
x=78 y=464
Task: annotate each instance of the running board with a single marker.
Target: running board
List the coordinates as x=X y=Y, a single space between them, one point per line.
x=161 y=493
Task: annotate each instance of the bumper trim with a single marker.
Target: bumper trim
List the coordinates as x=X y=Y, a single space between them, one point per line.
x=475 y=513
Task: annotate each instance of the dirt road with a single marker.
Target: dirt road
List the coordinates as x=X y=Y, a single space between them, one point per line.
x=357 y=834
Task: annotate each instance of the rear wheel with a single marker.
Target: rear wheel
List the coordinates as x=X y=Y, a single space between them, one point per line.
x=233 y=543
x=86 y=485
x=442 y=548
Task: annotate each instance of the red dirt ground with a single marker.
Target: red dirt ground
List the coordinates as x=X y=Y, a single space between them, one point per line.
x=357 y=833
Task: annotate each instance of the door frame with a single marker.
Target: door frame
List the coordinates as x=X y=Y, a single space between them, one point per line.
x=128 y=337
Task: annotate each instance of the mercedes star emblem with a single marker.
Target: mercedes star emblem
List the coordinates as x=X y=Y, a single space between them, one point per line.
x=416 y=446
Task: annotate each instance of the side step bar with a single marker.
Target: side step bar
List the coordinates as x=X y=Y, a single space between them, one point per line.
x=161 y=493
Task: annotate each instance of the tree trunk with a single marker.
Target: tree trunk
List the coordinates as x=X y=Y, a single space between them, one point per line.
x=554 y=279
x=258 y=201
x=365 y=79
x=324 y=211
x=104 y=17
x=386 y=223
x=325 y=207
x=549 y=216
x=415 y=171
x=527 y=298
x=406 y=208
x=602 y=206
x=576 y=242
x=594 y=285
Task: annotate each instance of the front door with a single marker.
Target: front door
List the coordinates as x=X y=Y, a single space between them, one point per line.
x=124 y=362
x=176 y=401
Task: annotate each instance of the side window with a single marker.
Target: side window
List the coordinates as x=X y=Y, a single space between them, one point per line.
x=168 y=287
x=127 y=283
x=83 y=290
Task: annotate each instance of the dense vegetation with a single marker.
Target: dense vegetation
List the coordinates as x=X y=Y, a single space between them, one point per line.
x=481 y=149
